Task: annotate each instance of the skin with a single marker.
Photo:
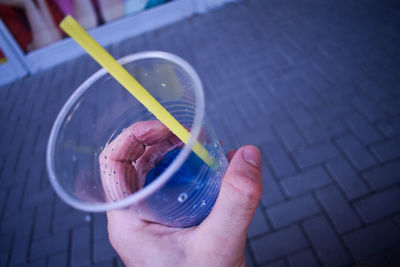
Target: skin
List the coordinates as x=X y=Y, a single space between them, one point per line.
x=218 y=241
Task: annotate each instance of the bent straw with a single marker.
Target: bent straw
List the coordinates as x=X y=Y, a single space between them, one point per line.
x=98 y=53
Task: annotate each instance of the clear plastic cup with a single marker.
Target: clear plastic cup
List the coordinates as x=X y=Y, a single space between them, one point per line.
x=101 y=109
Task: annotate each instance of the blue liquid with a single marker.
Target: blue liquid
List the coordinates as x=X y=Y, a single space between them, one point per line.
x=183 y=176
x=188 y=196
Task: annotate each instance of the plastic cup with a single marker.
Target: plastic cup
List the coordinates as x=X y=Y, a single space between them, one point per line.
x=101 y=109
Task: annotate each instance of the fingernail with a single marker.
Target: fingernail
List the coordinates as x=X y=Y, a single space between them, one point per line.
x=252 y=156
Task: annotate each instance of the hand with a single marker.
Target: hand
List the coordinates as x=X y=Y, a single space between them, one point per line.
x=218 y=241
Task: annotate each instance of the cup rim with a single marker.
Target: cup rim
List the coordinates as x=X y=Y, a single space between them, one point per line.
x=161 y=179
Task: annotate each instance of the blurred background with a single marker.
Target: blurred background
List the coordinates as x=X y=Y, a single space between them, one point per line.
x=314 y=84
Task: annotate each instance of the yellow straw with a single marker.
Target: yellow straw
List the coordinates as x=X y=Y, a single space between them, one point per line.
x=73 y=29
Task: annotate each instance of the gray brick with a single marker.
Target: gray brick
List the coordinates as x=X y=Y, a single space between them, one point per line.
x=387 y=150
x=281 y=163
x=21 y=246
x=50 y=245
x=278 y=244
x=390 y=127
x=323 y=132
x=385 y=175
x=372 y=239
x=80 y=249
x=305 y=181
x=278 y=263
x=372 y=111
x=347 y=178
x=315 y=155
x=363 y=130
x=292 y=211
x=42 y=224
x=304 y=258
x=306 y=93
x=379 y=205
x=39 y=198
x=14 y=199
x=17 y=220
x=290 y=136
x=337 y=208
x=3 y=258
x=325 y=242
x=332 y=112
x=61 y=207
x=6 y=241
x=69 y=220
x=248 y=257
x=372 y=90
x=300 y=115
x=102 y=249
x=271 y=192
x=258 y=224
x=109 y=263
x=397 y=219
x=392 y=106
x=394 y=256
x=356 y=152
x=59 y=260
x=375 y=260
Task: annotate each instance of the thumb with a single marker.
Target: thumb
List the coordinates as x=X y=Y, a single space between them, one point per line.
x=239 y=196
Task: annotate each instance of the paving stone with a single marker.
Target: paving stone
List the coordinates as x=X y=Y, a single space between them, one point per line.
x=375 y=260
x=307 y=180
x=50 y=245
x=379 y=205
x=390 y=127
x=258 y=225
x=21 y=245
x=304 y=258
x=394 y=256
x=278 y=263
x=372 y=111
x=17 y=220
x=3 y=258
x=80 y=249
x=281 y=164
x=387 y=150
x=326 y=243
x=392 y=106
x=271 y=191
x=324 y=132
x=315 y=155
x=360 y=157
x=332 y=112
x=102 y=249
x=372 y=90
x=69 y=220
x=347 y=178
x=384 y=175
x=300 y=115
x=292 y=211
x=290 y=136
x=278 y=244
x=339 y=211
x=372 y=239
x=363 y=129
x=60 y=260
x=108 y=263
x=248 y=257
x=6 y=241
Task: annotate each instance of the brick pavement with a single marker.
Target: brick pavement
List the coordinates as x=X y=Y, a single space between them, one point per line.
x=315 y=84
